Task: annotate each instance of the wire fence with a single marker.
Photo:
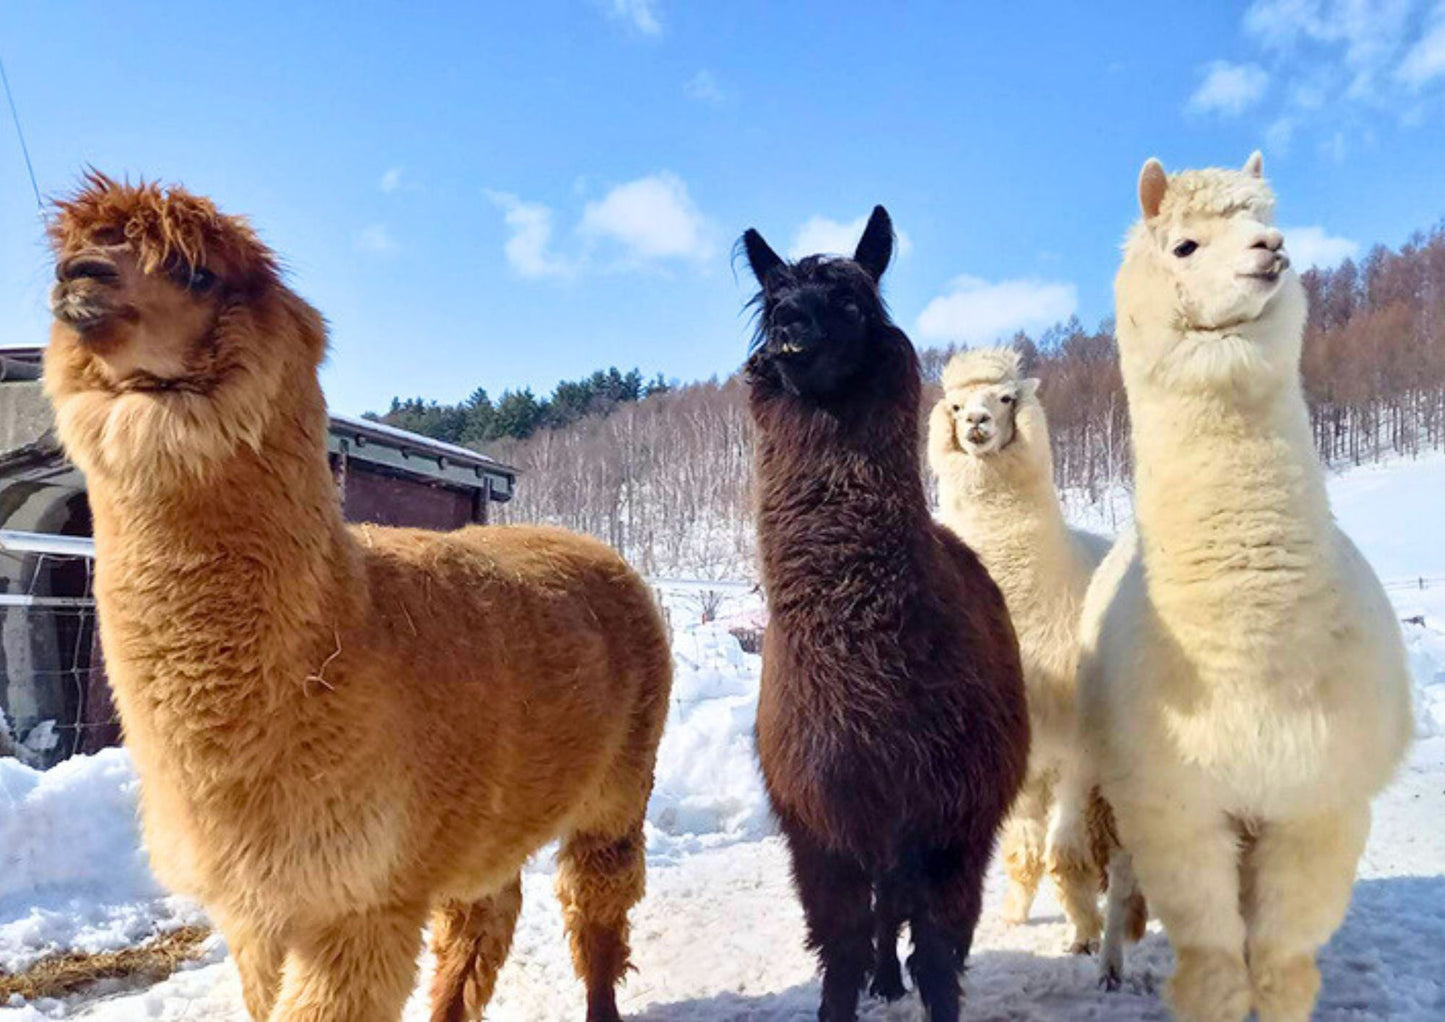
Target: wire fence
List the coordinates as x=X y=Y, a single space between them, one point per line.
x=47 y=640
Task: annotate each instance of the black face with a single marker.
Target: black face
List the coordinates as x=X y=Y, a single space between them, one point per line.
x=818 y=313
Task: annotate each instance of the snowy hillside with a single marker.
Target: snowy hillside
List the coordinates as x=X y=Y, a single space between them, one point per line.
x=719 y=935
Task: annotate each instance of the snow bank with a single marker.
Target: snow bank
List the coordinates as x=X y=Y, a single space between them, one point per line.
x=72 y=870
x=708 y=790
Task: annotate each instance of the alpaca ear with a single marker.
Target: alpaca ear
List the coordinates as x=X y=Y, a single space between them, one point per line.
x=761 y=257
x=1254 y=166
x=1029 y=388
x=875 y=248
x=1153 y=183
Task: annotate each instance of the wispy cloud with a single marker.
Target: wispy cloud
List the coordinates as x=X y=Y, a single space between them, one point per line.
x=1314 y=246
x=653 y=217
x=528 y=248
x=819 y=234
x=640 y=14
x=646 y=222
x=375 y=239
x=1335 y=67
x=1229 y=88
x=1425 y=60
x=975 y=311
x=704 y=88
x=391 y=180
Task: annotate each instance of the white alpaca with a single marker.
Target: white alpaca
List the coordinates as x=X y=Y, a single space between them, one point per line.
x=988 y=442
x=1243 y=683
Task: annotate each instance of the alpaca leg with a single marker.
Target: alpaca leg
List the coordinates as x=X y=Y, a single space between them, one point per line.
x=1075 y=873
x=835 y=893
x=258 y=956
x=470 y=942
x=890 y=908
x=599 y=878
x=949 y=901
x=1126 y=917
x=1298 y=878
x=1023 y=844
x=359 y=968
x=1189 y=866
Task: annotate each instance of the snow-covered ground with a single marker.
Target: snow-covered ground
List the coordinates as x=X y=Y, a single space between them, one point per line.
x=719 y=935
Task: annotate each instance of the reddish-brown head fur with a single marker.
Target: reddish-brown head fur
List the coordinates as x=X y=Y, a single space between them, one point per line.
x=173 y=333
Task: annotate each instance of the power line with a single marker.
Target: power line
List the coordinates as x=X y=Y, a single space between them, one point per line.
x=24 y=149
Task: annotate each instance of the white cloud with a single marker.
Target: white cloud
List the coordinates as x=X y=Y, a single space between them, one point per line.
x=391 y=180
x=704 y=88
x=376 y=239
x=1425 y=61
x=835 y=237
x=1314 y=246
x=1229 y=88
x=528 y=247
x=640 y=14
x=974 y=311
x=1369 y=31
x=650 y=218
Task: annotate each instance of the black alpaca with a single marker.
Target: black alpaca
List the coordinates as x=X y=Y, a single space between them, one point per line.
x=892 y=729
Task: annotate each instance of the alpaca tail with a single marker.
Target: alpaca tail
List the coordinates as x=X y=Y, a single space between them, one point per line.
x=1104 y=843
x=1103 y=834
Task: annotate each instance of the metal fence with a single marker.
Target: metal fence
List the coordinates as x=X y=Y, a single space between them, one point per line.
x=47 y=641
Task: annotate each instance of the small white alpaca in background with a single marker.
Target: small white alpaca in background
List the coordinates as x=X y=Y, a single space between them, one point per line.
x=988 y=442
x=1243 y=684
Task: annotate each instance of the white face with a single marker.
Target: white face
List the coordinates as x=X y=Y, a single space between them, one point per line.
x=1225 y=268
x=984 y=416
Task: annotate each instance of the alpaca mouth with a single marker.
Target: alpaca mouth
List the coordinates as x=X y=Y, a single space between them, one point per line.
x=82 y=309
x=977 y=437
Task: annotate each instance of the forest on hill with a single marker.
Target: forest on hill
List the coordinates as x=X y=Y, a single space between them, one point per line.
x=662 y=473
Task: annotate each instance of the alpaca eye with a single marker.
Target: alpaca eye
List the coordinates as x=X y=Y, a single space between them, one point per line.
x=1185 y=248
x=1007 y=399
x=851 y=310
x=108 y=236
x=196 y=279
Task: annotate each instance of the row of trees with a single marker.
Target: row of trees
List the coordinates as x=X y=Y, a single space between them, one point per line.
x=517 y=414
x=666 y=479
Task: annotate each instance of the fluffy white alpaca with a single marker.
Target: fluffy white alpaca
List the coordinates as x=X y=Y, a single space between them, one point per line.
x=1243 y=683
x=988 y=442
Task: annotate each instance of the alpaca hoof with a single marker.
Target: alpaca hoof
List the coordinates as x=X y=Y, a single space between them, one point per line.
x=888 y=985
x=1084 y=947
x=1016 y=906
x=603 y=1008
x=1209 y=985
x=1110 y=979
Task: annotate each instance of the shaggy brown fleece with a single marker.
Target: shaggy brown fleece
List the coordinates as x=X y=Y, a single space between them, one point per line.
x=337 y=731
x=892 y=727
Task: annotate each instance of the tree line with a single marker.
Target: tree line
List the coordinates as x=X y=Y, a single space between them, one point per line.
x=665 y=477
x=517 y=414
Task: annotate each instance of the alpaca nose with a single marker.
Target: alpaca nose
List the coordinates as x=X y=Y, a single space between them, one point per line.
x=1271 y=240
x=91 y=267
x=978 y=418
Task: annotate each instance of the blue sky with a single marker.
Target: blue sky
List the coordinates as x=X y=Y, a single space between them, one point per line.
x=503 y=195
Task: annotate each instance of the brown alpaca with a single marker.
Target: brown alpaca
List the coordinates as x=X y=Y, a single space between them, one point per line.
x=892 y=727
x=337 y=730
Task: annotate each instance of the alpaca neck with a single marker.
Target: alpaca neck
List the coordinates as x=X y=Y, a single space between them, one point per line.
x=851 y=466
x=1005 y=507
x=1004 y=504
x=243 y=573
x=1226 y=488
